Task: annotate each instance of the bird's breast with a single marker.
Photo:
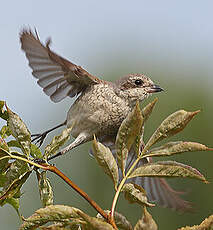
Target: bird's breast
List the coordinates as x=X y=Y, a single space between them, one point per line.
x=98 y=109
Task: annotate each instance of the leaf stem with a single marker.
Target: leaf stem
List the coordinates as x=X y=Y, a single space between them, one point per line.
x=80 y=191
x=115 y=199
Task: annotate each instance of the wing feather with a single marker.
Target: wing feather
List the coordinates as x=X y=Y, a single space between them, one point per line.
x=57 y=76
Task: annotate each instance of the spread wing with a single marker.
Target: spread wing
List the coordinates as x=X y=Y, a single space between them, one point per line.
x=57 y=76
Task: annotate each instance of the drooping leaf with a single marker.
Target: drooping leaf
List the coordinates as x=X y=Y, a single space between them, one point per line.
x=136 y=194
x=106 y=160
x=94 y=223
x=45 y=189
x=167 y=169
x=170 y=126
x=19 y=131
x=146 y=222
x=13 y=190
x=35 y=152
x=58 y=213
x=120 y=220
x=57 y=142
x=171 y=148
x=127 y=133
x=4 y=153
x=3 y=112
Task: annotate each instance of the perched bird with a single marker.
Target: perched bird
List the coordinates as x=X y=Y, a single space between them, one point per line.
x=99 y=109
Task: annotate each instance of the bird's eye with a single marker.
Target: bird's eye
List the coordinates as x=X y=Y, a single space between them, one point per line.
x=138 y=82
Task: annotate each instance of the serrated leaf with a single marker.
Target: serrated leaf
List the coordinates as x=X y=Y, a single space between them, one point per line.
x=35 y=152
x=167 y=169
x=3 y=112
x=173 y=124
x=45 y=189
x=135 y=194
x=177 y=147
x=94 y=223
x=50 y=213
x=106 y=160
x=127 y=133
x=19 y=131
x=57 y=142
x=120 y=220
x=5 y=132
x=146 y=222
x=13 y=190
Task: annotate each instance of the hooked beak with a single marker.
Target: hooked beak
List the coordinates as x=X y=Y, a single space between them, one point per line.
x=155 y=89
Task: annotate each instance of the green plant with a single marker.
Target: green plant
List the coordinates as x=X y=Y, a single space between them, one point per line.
x=17 y=165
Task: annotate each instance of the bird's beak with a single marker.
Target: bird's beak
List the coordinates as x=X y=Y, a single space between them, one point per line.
x=155 y=89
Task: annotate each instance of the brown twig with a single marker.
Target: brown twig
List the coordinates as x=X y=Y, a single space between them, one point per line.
x=81 y=192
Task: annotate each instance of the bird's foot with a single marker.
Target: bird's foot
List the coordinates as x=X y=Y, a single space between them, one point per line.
x=39 y=138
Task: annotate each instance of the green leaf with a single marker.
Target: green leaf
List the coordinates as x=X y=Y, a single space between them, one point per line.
x=106 y=160
x=3 y=112
x=45 y=189
x=120 y=220
x=19 y=131
x=50 y=213
x=14 y=202
x=207 y=224
x=13 y=190
x=173 y=124
x=14 y=143
x=146 y=222
x=95 y=223
x=3 y=156
x=35 y=152
x=127 y=133
x=147 y=110
x=15 y=171
x=135 y=194
x=176 y=147
x=57 y=142
x=167 y=169
x=5 y=132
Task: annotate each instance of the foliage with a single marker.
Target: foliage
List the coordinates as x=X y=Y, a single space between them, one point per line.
x=19 y=158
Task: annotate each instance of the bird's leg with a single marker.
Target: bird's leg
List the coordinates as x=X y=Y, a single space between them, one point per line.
x=81 y=138
x=39 y=138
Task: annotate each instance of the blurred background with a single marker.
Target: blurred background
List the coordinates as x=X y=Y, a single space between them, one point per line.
x=170 y=41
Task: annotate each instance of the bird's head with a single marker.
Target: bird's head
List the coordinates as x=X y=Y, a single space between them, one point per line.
x=135 y=87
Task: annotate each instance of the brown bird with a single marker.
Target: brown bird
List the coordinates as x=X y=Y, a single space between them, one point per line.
x=99 y=109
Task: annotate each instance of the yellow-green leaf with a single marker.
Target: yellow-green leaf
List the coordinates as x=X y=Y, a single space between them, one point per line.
x=167 y=169
x=120 y=220
x=147 y=110
x=127 y=133
x=136 y=194
x=106 y=160
x=35 y=152
x=45 y=189
x=170 y=126
x=50 y=213
x=57 y=142
x=3 y=112
x=146 y=222
x=19 y=131
x=176 y=147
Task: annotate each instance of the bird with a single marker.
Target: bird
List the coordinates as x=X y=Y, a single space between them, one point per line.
x=99 y=108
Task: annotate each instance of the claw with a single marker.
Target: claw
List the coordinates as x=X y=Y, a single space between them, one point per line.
x=39 y=138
